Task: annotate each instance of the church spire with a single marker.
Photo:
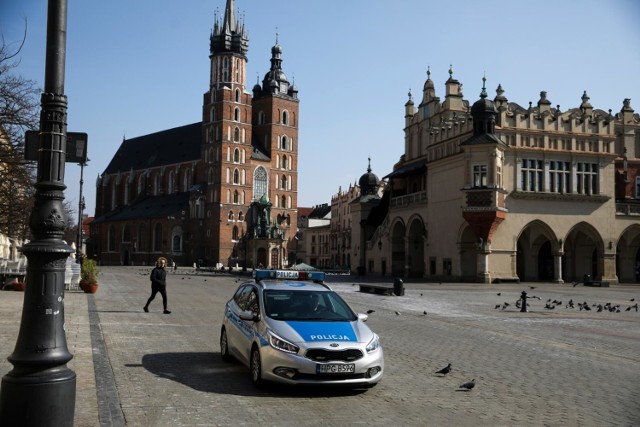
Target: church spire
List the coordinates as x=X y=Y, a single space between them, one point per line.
x=229 y=35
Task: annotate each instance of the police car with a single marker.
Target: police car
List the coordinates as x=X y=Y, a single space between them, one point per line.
x=290 y=327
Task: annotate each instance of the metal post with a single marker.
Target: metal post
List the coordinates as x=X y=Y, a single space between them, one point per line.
x=40 y=390
x=80 y=217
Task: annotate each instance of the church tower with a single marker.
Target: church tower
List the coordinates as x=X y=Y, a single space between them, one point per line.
x=249 y=155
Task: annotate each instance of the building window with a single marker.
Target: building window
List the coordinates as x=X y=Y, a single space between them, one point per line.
x=284 y=162
x=236 y=199
x=259 y=183
x=283 y=202
x=559 y=177
x=157 y=238
x=111 y=238
x=285 y=118
x=237 y=95
x=284 y=143
x=176 y=240
x=479 y=176
x=587 y=178
x=240 y=216
x=236 y=176
x=236 y=156
x=234 y=234
x=236 y=135
x=261 y=120
x=225 y=69
x=283 y=182
x=236 y=114
x=531 y=175
x=230 y=216
x=637 y=187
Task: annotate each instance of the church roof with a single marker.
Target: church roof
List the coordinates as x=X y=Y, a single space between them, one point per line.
x=171 y=146
x=152 y=207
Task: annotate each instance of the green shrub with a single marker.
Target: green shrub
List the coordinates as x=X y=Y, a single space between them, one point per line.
x=89 y=271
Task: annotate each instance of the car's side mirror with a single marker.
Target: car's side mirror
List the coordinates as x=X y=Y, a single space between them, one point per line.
x=250 y=316
x=363 y=316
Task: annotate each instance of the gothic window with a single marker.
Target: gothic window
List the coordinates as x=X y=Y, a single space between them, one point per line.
x=237 y=95
x=225 y=69
x=234 y=235
x=283 y=182
x=142 y=238
x=236 y=135
x=230 y=218
x=172 y=182
x=259 y=183
x=284 y=162
x=236 y=177
x=285 y=118
x=126 y=233
x=236 y=156
x=283 y=201
x=240 y=216
x=112 y=238
x=236 y=114
x=283 y=143
x=236 y=199
x=176 y=243
x=157 y=238
x=261 y=119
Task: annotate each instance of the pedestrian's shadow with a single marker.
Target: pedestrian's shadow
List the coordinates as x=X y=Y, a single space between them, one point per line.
x=207 y=372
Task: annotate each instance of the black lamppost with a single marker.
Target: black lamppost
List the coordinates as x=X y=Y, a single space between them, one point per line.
x=40 y=390
x=81 y=207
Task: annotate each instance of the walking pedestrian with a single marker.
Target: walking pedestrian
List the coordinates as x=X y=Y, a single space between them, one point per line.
x=159 y=284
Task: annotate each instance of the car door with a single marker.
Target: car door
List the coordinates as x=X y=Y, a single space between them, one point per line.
x=247 y=328
x=234 y=330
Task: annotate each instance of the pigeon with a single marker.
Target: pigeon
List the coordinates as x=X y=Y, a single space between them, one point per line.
x=397 y=313
x=424 y=312
x=532 y=287
x=497 y=306
x=370 y=311
x=469 y=385
x=445 y=370
x=499 y=293
x=506 y=304
x=575 y=284
x=632 y=299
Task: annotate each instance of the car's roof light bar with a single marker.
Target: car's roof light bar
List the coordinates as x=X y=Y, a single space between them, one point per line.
x=316 y=276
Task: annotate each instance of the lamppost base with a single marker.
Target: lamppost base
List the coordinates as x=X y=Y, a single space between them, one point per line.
x=23 y=394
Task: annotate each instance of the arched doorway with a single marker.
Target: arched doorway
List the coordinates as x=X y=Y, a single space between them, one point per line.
x=534 y=257
x=584 y=253
x=468 y=255
x=628 y=255
x=397 y=249
x=545 y=262
x=261 y=257
x=416 y=244
x=275 y=258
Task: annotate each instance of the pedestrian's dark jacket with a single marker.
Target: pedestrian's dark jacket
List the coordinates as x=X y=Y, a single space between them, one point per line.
x=158 y=277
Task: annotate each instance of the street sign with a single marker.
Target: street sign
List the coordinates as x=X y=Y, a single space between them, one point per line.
x=76 y=148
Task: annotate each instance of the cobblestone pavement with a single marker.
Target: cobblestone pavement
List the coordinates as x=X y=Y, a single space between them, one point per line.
x=560 y=367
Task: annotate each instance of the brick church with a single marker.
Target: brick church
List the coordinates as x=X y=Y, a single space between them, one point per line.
x=222 y=191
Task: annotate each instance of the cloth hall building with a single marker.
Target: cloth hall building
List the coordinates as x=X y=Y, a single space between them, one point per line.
x=493 y=191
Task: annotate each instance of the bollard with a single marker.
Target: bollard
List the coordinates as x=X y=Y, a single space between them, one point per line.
x=523 y=307
x=398 y=287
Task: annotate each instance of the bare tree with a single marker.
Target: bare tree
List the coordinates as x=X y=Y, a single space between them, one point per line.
x=19 y=109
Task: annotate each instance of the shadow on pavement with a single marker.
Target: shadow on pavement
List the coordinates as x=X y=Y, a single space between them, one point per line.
x=207 y=372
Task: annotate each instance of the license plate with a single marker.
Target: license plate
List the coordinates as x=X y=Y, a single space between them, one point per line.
x=336 y=368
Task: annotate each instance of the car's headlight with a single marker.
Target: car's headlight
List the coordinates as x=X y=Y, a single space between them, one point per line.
x=374 y=344
x=282 y=344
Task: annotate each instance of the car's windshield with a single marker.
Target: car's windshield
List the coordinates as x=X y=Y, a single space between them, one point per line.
x=306 y=305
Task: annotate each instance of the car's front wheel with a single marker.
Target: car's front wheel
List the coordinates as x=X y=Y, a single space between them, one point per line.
x=224 y=346
x=255 y=368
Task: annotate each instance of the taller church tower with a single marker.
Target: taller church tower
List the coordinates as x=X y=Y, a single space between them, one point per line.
x=250 y=155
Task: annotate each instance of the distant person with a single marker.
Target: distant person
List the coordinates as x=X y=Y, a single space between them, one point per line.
x=158 y=284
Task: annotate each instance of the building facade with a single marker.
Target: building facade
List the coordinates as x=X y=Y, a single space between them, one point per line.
x=494 y=191
x=222 y=191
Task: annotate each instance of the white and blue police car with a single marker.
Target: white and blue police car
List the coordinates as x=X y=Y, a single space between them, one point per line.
x=290 y=327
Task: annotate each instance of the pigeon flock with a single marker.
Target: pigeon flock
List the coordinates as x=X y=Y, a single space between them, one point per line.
x=552 y=304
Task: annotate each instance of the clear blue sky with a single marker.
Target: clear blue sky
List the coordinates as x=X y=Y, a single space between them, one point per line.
x=140 y=66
